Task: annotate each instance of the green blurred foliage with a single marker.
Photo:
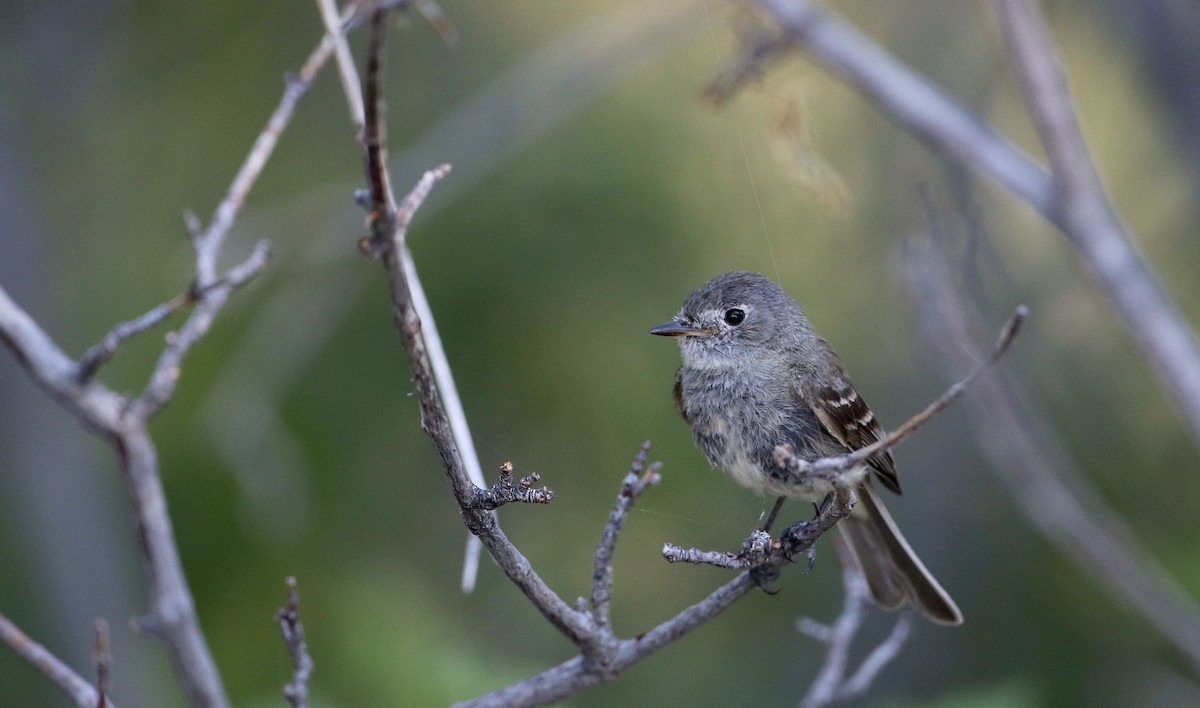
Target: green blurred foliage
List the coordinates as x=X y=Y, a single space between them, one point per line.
x=293 y=446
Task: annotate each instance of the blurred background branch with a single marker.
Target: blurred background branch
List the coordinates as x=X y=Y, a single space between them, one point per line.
x=835 y=683
x=1039 y=474
x=1071 y=197
x=62 y=676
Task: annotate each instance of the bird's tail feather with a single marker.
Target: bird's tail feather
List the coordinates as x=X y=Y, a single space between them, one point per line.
x=893 y=571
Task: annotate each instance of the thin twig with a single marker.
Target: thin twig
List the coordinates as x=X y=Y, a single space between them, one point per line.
x=858 y=682
x=373 y=135
x=102 y=656
x=50 y=666
x=832 y=468
x=448 y=391
x=755 y=549
x=161 y=386
x=831 y=684
x=99 y=354
x=296 y=692
x=640 y=477
x=1043 y=478
x=172 y=617
x=347 y=72
x=208 y=244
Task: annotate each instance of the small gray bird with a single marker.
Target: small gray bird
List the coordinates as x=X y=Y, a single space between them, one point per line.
x=755 y=376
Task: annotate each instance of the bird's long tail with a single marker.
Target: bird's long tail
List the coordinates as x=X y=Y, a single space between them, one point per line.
x=893 y=571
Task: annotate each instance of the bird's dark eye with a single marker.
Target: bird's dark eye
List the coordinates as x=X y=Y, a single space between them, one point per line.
x=734 y=316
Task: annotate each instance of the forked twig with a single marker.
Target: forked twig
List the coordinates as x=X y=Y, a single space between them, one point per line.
x=83 y=693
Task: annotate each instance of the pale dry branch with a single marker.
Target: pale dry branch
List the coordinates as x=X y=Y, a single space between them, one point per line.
x=641 y=477
x=99 y=354
x=1042 y=477
x=46 y=663
x=347 y=72
x=832 y=685
x=172 y=616
x=55 y=372
x=166 y=373
x=910 y=99
x=1086 y=217
x=1071 y=197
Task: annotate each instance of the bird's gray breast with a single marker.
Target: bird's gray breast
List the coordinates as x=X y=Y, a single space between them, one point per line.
x=739 y=415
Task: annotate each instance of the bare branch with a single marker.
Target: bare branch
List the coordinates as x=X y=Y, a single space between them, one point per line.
x=54 y=371
x=1086 y=217
x=1044 y=480
x=832 y=685
x=50 y=666
x=103 y=658
x=172 y=617
x=612 y=656
x=208 y=244
x=641 y=476
x=101 y=353
x=388 y=231
x=861 y=680
x=911 y=100
x=347 y=72
x=162 y=383
x=754 y=551
x=296 y=692
x=374 y=142
x=1071 y=199
x=720 y=559
x=574 y=675
x=603 y=655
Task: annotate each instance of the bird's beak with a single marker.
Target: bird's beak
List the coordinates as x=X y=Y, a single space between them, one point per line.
x=679 y=328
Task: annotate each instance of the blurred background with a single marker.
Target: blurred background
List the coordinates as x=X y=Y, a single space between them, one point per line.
x=592 y=190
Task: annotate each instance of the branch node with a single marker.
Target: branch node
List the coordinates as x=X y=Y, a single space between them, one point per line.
x=509 y=490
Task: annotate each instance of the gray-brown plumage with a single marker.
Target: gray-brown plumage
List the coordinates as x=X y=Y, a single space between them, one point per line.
x=755 y=376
